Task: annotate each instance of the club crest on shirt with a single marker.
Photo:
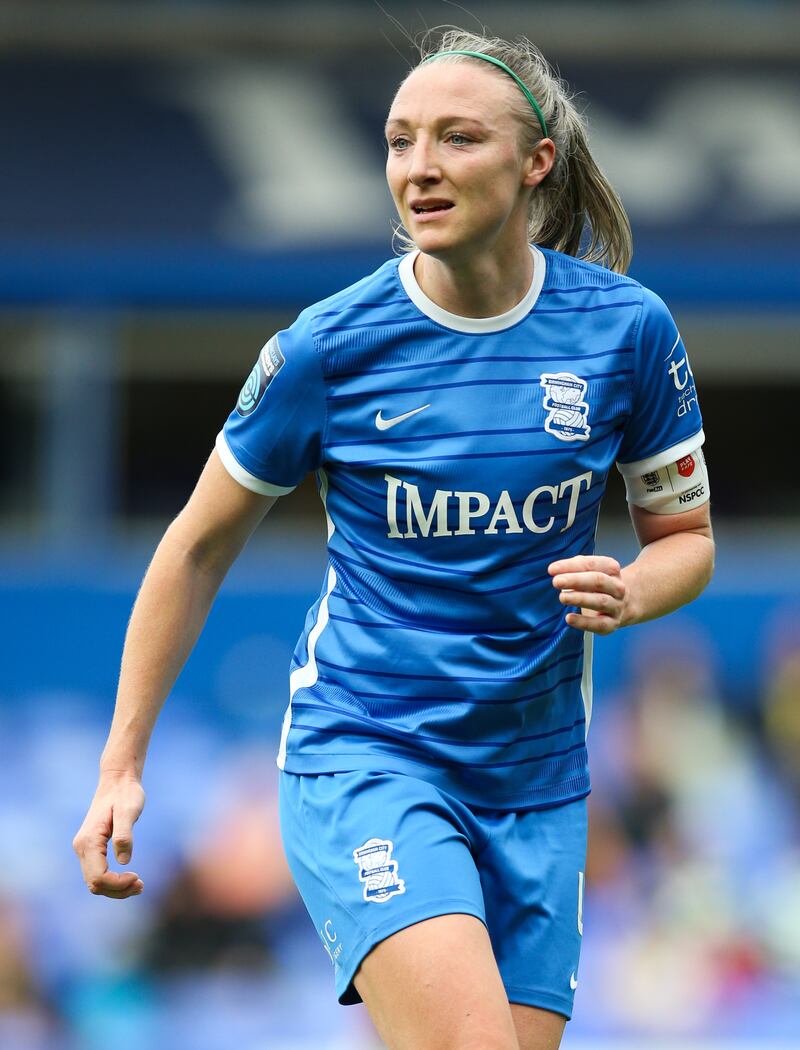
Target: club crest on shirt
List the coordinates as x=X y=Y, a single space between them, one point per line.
x=269 y=363
x=567 y=412
x=377 y=870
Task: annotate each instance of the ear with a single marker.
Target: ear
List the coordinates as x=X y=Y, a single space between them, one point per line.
x=539 y=162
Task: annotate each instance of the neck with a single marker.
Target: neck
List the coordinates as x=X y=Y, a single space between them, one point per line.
x=482 y=286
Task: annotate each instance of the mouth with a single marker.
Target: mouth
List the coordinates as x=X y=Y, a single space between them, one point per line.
x=431 y=207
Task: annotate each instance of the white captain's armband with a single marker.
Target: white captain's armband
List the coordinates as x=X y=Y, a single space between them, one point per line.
x=670 y=487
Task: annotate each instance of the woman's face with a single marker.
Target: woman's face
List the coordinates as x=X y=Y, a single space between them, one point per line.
x=459 y=179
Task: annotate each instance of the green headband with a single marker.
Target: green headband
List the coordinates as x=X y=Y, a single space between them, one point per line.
x=504 y=67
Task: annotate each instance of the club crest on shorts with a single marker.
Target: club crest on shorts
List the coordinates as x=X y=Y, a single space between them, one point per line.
x=377 y=870
x=567 y=412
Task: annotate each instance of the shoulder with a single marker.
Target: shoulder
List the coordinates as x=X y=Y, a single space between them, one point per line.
x=566 y=272
x=375 y=291
x=301 y=337
x=574 y=285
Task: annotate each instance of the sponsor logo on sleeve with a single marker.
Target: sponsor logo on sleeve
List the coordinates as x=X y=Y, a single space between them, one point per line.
x=682 y=378
x=652 y=481
x=567 y=411
x=269 y=363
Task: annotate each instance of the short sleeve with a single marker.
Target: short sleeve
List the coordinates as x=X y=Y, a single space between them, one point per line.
x=273 y=437
x=665 y=422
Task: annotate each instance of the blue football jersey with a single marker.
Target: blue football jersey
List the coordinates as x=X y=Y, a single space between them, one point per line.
x=456 y=458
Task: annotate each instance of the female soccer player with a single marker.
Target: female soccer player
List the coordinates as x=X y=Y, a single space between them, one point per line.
x=462 y=408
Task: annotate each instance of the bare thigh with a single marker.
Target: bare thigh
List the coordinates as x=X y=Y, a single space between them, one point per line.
x=435 y=986
x=537 y=1029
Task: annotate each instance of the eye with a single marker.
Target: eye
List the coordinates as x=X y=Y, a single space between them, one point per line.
x=398 y=142
x=459 y=139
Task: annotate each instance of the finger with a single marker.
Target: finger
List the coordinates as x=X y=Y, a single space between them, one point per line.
x=585 y=563
x=598 y=582
x=605 y=604
x=91 y=847
x=597 y=624
x=117 y=885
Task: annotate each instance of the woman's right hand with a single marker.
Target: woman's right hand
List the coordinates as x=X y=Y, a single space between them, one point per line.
x=116 y=806
x=177 y=592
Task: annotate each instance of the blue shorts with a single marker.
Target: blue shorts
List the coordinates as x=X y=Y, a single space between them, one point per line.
x=374 y=852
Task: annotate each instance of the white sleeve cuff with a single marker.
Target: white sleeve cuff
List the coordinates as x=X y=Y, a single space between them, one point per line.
x=244 y=477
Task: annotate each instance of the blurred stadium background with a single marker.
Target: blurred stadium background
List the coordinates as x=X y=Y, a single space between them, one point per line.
x=177 y=179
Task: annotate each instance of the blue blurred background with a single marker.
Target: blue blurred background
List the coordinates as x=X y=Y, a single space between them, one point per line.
x=177 y=180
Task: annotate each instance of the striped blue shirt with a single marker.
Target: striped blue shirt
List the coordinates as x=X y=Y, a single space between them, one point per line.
x=456 y=458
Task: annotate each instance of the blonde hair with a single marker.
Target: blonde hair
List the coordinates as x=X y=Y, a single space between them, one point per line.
x=575 y=209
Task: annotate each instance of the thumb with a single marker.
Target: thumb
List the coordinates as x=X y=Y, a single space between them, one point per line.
x=122 y=839
x=123 y=849
x=125 y=811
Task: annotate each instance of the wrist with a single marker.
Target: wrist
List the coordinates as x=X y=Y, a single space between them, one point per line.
x=114 y=769
x=631 y=614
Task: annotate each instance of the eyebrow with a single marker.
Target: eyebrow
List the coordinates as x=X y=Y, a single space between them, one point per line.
x=452 y=119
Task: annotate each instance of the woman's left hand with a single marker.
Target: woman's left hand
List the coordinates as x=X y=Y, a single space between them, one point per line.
x=593 y=583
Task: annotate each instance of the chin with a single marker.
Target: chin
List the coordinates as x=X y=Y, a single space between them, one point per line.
x=435 y=242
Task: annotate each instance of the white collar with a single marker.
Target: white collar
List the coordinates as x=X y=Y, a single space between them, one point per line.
x=475 y=325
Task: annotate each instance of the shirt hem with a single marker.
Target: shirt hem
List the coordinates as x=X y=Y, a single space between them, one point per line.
x=547 y=796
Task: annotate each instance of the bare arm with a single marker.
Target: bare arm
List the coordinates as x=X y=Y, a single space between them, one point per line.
x=176 y=595
x=673 y=567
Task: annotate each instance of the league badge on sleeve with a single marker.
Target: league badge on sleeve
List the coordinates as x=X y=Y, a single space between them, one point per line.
x=269 y=363
x=567 y=411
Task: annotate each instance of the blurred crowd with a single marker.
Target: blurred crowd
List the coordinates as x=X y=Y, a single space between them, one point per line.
x=692 y=912
x=694 y=865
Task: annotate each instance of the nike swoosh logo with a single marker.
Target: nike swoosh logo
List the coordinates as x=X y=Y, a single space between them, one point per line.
x=573 y=982
x=385 y=424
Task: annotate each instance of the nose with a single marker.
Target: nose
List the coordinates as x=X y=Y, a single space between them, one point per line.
x=423 y=168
